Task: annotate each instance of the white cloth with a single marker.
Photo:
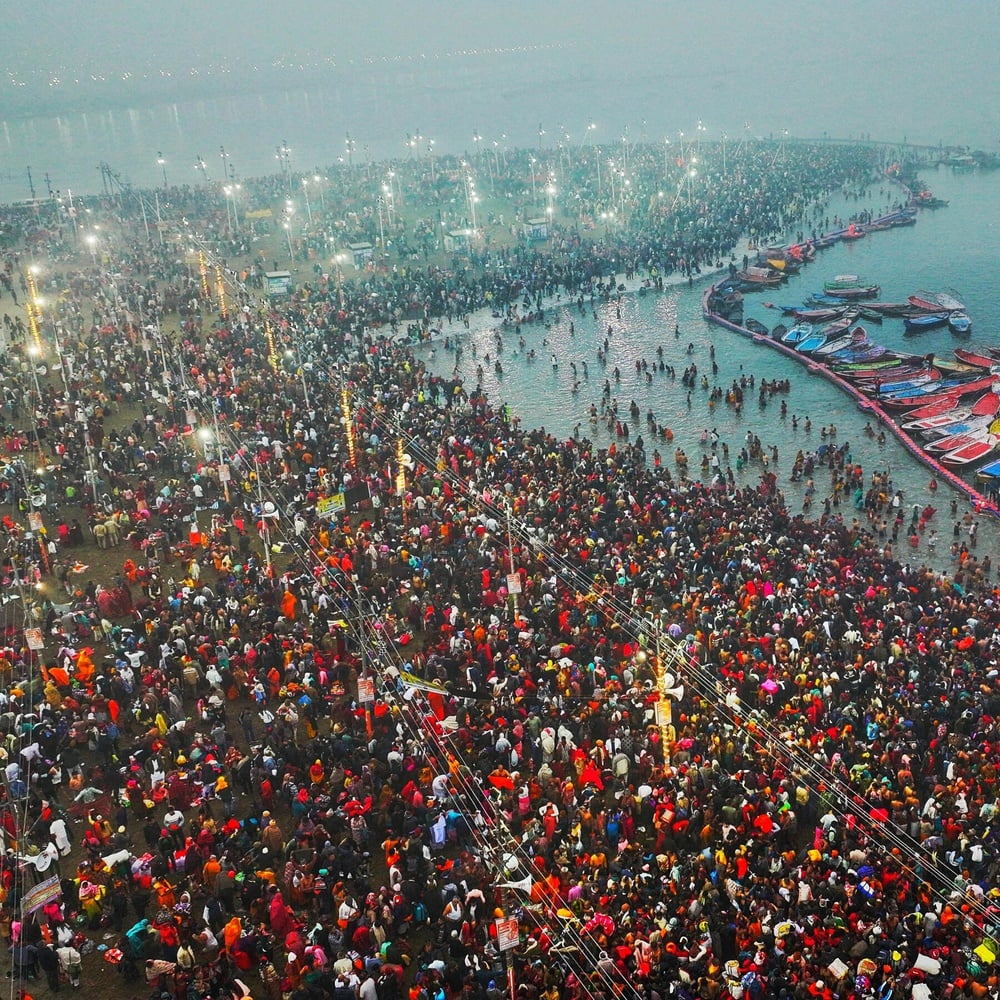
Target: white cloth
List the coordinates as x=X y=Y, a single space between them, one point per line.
x=60 y=836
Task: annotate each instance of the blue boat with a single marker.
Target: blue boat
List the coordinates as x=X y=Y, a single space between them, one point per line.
x=959 y=323
x=798 y=333
x=991 y=471
x=929 y=321
x=811 y=343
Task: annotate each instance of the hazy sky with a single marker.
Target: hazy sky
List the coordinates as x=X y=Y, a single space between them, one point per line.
x=888 y=66
x=760 y=38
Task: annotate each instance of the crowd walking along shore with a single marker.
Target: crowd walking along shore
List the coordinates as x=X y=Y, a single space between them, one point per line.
x=325 y=675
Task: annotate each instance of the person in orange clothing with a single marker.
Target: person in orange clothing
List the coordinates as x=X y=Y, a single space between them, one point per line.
x=231 y=933
x=289 y=604
x=316 y=772
x=210 y=870
x=84 y=671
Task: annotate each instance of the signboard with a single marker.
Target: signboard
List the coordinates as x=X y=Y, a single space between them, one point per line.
x=35 y=521
x=278 y=283
x=37 y=896
x=34 y=638
x=225 y=475
x=513 y=583
x=366 y=690
x=507 y=933
x=333 y=504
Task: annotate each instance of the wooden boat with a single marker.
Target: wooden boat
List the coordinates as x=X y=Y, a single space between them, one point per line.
x=798 y=333
x=853 y=232
x=759 y=277
x=755 y=326
x=975 y=431
x=870 y=315
x=986 y=406
x=936 y=392
x=928 y=321
x=975 y=358
x=886 y=389
x=991 y=471
x=843 y=281
x=862 y=292
x=949 y=301
x=888 y=308
x=871 y=352
x=819 y=315
x=858 y=337
x=959 y=323
x=924 y=301
x=976 y=451
x=811 y=343
x=944 y=408
x=891 y=360
x=949 y=422
x=869 y=373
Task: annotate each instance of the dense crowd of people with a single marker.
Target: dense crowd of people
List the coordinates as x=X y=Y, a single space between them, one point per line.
x=377 y=666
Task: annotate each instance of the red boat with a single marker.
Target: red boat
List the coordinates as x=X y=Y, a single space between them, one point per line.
x=926 y=304
x=974 y=358
x=926 y=399
x=972 y=452
x=933 y=409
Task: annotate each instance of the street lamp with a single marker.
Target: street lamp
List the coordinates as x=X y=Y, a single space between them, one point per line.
x=91 y=239
x=283 y=155
x=288 y=213
x=163 y=166
x=301 y=372
x=199 y=164
x=305 y=191
x=339 y=259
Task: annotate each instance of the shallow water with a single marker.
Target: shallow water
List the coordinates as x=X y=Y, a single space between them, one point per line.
x=952 y=247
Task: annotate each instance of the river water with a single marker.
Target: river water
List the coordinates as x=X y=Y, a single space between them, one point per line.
x=951 y=247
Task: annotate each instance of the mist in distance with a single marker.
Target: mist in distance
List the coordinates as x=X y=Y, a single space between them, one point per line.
x=883 y=67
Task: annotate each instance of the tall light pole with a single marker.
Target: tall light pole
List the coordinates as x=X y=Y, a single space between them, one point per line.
x=283 y=155
x=200 y=164
x=305 y=192
x=225 y=161
x=288 y=213
x=301 y=371
x=724 y=138
x=163 y=166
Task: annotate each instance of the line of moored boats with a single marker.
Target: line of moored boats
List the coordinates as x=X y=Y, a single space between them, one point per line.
x=951 y=406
